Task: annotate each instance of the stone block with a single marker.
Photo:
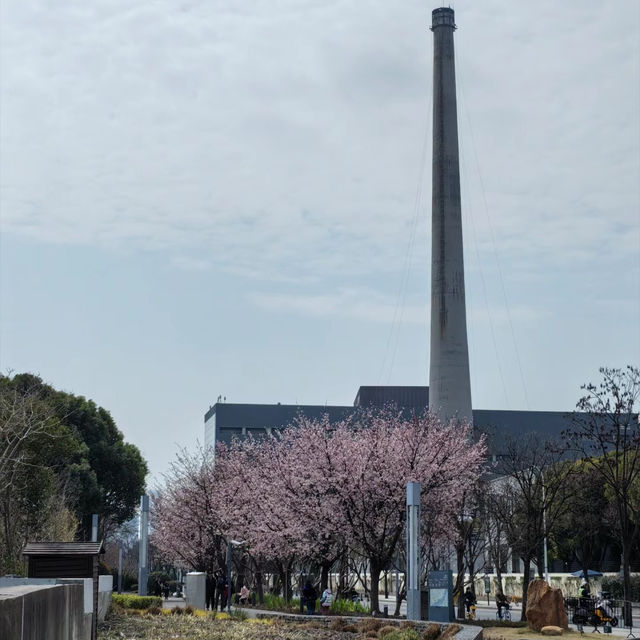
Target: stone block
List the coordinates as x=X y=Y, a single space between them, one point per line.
x=196 y=589
x=551 y=630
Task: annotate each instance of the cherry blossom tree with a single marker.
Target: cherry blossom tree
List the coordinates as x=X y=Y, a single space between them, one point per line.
x=188 y=525
x=309 y=492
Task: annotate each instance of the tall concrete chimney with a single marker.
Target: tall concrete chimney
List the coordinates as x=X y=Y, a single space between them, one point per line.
x=449 y=380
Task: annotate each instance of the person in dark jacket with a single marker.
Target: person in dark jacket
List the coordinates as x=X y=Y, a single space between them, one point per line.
x=219 y=591
x=502 y=602
x=210 y=593
x=309 y=596
x=469 y=600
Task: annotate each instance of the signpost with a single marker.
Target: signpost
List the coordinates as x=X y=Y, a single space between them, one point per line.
x=440 y=585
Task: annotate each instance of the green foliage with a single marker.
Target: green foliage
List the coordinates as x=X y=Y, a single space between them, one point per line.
x=238 y=614
x=615 y=587
x=71 y=461
x=127 y=601
x=347 y=607
x=277 y=603
x=35 y=448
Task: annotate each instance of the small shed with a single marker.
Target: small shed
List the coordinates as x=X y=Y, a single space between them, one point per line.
x=66 y=560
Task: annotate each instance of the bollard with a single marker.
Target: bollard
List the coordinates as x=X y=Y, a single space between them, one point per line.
x=385 y=611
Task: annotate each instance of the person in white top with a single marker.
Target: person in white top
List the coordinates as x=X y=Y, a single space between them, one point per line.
x=326 y=600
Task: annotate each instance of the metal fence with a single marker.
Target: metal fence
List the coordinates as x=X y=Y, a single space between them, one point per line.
x=599 y=612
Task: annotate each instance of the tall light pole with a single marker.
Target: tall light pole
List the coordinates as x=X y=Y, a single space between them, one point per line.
x=413 y=550
x=544 y=529
x=143 y=550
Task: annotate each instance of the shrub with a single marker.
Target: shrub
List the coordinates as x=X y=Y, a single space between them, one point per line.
x=402 y=634
x=154 y=611
x=177 y=611
x=350 y=628
x=432 y=632
x=189 y=610
x=383 y=632
x=370 y=624
x=347 y=607
x=277 y=603
x=613 y=584
x=127 y=601
x=450 y=631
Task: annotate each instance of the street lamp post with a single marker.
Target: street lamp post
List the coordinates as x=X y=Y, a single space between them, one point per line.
x=544 y=531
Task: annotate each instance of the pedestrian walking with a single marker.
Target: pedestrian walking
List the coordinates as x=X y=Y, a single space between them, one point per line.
x=325 y=601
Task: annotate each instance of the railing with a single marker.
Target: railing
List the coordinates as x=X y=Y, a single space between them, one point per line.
x=599 y=612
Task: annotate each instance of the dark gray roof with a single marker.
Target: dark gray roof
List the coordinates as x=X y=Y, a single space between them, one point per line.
x=275 y=416
x=408 y=397
x=63 y=548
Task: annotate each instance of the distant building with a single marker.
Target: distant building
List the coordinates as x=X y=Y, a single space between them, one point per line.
x=224 y=421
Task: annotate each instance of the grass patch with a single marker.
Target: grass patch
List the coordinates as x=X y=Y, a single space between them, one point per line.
x=127 y=601
x=183 y=627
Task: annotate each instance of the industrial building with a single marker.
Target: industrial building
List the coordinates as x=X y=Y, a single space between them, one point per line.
x=224 y=421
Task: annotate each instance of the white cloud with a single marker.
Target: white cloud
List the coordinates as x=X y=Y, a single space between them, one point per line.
x=360 y=304
x=288 y=136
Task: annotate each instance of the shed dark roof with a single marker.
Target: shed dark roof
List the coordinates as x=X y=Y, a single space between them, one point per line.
x=63 y=548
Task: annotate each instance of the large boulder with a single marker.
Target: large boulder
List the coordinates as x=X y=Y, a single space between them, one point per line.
x=545 y=606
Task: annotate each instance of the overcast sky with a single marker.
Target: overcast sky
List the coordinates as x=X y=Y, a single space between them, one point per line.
x=207 y=197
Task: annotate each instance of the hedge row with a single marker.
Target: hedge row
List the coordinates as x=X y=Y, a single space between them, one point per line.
x=614 y=586
x=136 y=602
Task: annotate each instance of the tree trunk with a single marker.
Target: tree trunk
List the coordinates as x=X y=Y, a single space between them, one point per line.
x=626 y=581
x=259 y=588
x=402 y=594
x=525 y=586
x=499 y=580
x=278 y=581
x=287 y=584
x=374 y=571
x=343 y=575
x=324 y=575
x=459 y=586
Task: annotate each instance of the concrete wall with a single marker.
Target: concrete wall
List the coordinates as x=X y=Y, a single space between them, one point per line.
x=105 y=587
x=44 y=612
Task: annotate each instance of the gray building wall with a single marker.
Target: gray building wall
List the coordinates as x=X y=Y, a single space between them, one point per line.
x=225 y=421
